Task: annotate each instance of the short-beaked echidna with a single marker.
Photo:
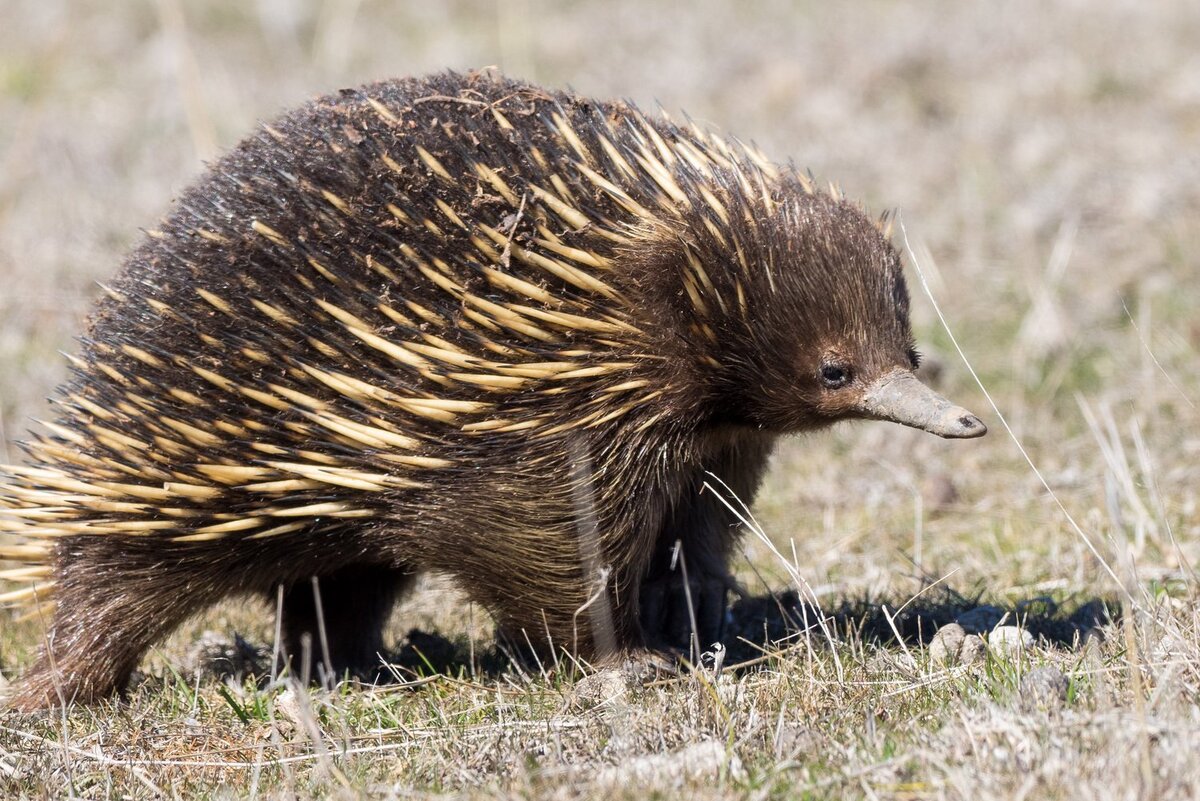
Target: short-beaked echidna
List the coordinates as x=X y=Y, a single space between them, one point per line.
x=457 y=324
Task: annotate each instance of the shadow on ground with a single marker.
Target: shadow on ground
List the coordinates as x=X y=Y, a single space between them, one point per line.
x=768 y=621
x=756 y=626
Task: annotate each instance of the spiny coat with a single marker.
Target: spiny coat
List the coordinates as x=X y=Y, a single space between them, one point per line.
x=456 y=324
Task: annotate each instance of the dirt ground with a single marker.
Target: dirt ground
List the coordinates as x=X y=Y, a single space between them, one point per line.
x=1045 y=159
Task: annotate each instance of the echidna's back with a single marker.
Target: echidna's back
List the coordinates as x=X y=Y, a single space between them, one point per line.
x=368 y=295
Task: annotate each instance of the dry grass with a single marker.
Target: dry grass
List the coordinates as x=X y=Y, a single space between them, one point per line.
x=1046 y=161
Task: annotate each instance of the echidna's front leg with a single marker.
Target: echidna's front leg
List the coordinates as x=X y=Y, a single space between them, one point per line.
x=698 y=541
x=687 y=591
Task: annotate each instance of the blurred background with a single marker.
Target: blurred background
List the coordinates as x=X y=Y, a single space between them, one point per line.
x=1045 y=158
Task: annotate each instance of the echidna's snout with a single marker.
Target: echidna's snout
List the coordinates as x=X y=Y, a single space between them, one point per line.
x=901 y=398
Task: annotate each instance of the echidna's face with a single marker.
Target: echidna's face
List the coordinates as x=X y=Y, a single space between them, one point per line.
x=833 y=335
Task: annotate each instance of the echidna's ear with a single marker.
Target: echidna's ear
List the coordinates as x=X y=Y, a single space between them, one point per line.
x=901 y=398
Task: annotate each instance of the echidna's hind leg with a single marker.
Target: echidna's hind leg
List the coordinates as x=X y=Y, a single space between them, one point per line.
x=337 y=622
x=114 y=599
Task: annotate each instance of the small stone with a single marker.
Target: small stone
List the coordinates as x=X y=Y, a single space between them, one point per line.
x=973 y=650
x=946 y=644
x=606 y=688
x=951 y=645
x=981 y=619
x=1044 y=688
x=291 y=711
x=1009 y=640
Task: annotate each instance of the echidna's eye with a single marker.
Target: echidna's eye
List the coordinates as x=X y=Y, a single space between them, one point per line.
x=835 y=375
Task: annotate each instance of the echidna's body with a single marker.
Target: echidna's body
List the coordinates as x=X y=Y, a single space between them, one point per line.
x=456 y=324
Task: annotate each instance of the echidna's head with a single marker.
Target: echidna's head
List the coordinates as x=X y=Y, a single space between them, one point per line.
x=814 y=324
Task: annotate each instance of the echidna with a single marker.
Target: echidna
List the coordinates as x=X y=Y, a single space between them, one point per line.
x=456 y=324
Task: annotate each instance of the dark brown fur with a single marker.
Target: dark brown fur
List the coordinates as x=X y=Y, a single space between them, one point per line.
x=566 y=536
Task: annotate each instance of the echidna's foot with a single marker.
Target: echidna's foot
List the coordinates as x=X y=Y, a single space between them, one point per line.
x=51 y=684
x=672 y=611
x=611 y=680
x=33 y=692
x=646 y=665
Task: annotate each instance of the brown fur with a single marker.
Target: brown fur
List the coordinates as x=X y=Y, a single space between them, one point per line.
x=555 y=495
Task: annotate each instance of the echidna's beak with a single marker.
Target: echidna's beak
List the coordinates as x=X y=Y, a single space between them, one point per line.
x=901 y=398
